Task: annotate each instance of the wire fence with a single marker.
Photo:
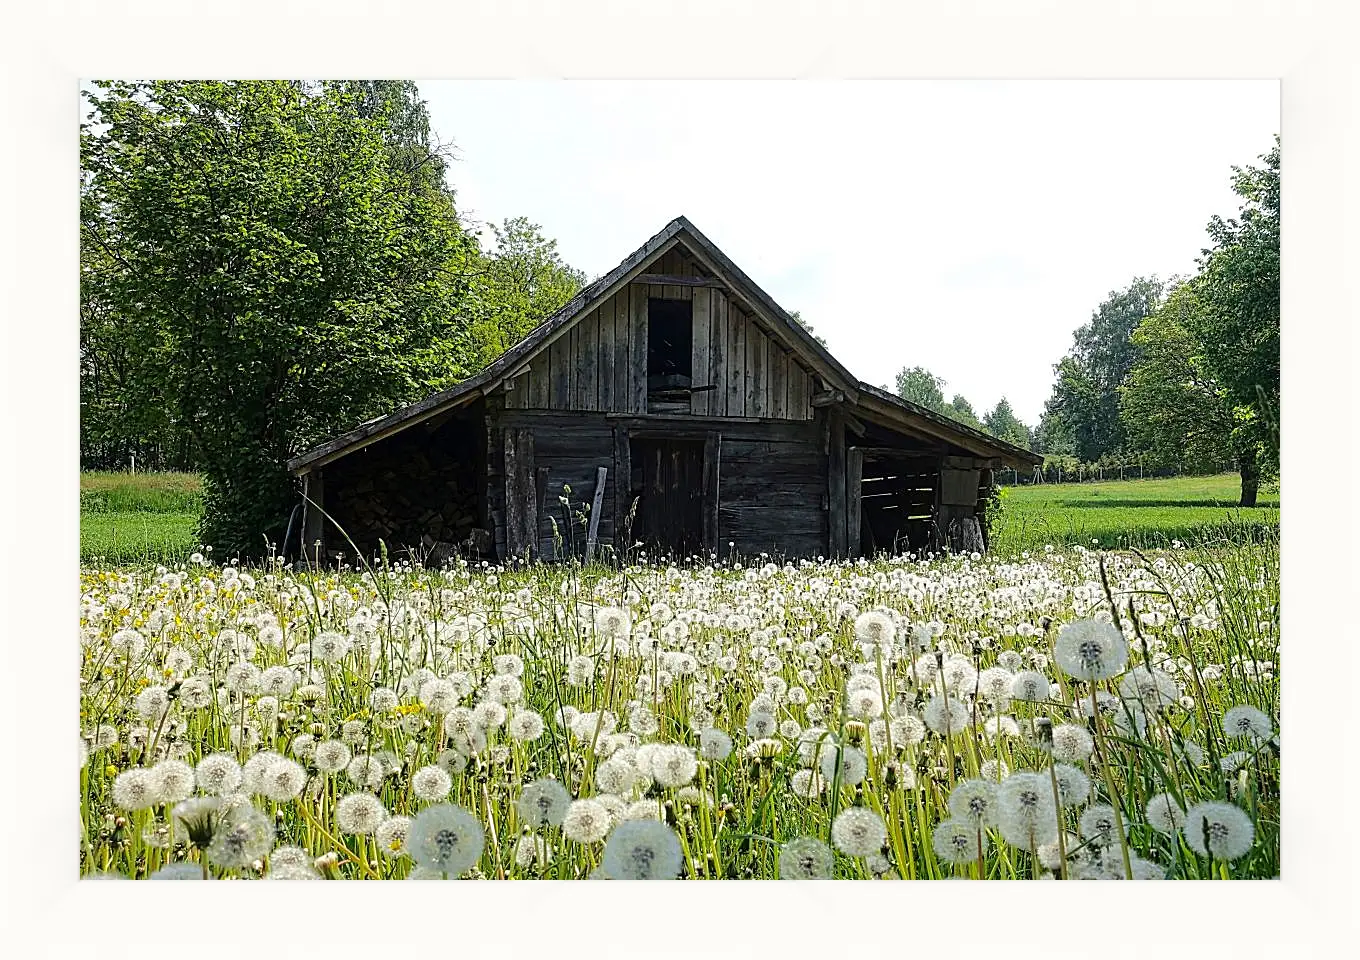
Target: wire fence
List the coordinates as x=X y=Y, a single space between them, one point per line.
x=1076 y=472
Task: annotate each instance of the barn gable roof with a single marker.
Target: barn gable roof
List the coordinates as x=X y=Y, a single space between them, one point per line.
x=795 y=337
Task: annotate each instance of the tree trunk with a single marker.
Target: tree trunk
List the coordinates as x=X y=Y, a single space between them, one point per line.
x=1250 y=470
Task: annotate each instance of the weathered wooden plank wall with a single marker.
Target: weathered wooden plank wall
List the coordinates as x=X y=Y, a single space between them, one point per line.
x=771 y=496
x=600 y=362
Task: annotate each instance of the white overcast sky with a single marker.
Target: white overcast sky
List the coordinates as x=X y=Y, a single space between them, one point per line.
x=965 y=226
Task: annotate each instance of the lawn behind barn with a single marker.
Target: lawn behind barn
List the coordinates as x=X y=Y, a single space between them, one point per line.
x=1132 y=513
x=153 y=517
x=130 y=518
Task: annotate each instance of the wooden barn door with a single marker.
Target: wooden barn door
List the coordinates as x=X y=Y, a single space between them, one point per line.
x=670 y=516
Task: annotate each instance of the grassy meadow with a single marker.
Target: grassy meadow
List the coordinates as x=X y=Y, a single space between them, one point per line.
x=1066 y=714
x=1132 y=513
x=138 y=517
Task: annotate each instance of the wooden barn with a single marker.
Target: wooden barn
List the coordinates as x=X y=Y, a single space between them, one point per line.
x=671 y=403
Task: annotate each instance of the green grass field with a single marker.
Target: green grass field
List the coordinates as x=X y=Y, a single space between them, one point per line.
x=1132 y=513
x=138 y=518
x=152 y=517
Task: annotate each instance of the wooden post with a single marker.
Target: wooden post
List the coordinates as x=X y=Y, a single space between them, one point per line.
x=623 y=480
x=712 y=488
x=595 y=506
x=854 y=470
x=835 y=480
x=520 y=509
x=540 y=498
x=313 y=523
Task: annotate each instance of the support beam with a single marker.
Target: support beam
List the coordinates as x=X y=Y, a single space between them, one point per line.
x=593 y=531
x=854 y=472
x=623 y=479
x=712 y=489
x=835 y=479
x=671 y=280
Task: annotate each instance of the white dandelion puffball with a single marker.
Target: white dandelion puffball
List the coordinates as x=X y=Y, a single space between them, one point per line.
x=807 y=784
x=244 y=836
x=383 y=700
x=760 y=725
x=946 y=715
x=134 y=789
x=1164 y=814
x=586 y=821
x=1222 y=830
x=875 y=627
x=332 y=756
x=1030 y=686
x=172 y=781
x=281 y=780
x=526 y=726
x=218 y=773
x=152 y=702
x=391 y=836
x=330 y=647
x=1097 y=825
x=853 y=764
x=532 y=851
x=431 y=784
x=864 y=704
x=439 y=696
x=1071 y=743
x=858 y=832
x=1074 y=786
x=973 y=802
x=956 y=841
x=1026 y=814
x=1149 y=688
x=366 y=771
x=543 y=803
x=906 y=730
x=806 y=858
x=616 y=775
x=446 y=839
x=642 y=850
x=674 y=765
x=359 y=813
x=1091 y=650
x=1247 y=721
x=489 y=714
x=612 y=622
x=714 y=744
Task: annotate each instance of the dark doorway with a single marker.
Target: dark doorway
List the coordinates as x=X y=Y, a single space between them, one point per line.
x=668 y=479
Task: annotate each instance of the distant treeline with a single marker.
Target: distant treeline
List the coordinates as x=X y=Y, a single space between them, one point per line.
x=1176 y=377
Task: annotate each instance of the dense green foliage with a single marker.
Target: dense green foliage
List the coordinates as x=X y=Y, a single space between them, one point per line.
x=1084 y=407
x=1186 y=373
x=267 y=263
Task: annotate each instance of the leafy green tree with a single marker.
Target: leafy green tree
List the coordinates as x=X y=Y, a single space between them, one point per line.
x=1085 y=400
x=921 y=387
x=278 y=275
x=961 y=410
x=1002 y=422
x=522 y=282
x=1239 y=327
x=1173 y=407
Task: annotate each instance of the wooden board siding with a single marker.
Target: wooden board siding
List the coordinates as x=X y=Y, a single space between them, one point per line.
x=700 y=353
x=566 y=451
x=600 y=362
x=771 y=496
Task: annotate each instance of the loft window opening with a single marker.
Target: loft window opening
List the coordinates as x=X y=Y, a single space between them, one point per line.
x=670 y=338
